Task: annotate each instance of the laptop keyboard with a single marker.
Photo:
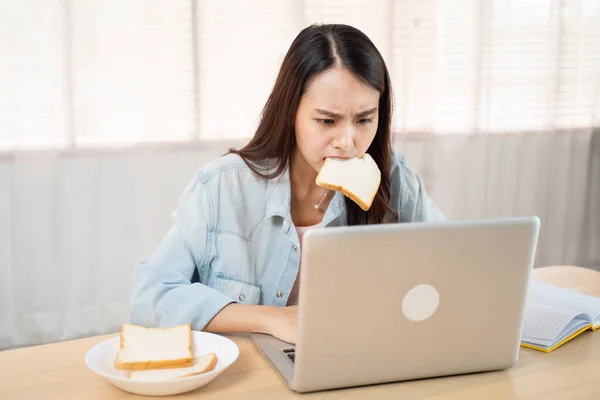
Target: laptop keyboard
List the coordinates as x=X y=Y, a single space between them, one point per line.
x=290 y=353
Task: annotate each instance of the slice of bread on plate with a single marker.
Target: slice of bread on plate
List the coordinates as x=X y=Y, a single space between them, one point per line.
x=357 y=178
x=144 y=348
x=202 y=364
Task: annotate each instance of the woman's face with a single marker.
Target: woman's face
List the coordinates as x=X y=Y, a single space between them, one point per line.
x=337 y=117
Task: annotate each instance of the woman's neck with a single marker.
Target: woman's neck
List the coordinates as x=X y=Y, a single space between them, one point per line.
x=302 y=174
x=309 y=201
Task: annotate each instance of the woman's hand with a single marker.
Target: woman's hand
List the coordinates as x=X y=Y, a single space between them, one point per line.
x=282 y=323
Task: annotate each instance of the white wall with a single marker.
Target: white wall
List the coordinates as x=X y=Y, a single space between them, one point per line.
x=72 y=224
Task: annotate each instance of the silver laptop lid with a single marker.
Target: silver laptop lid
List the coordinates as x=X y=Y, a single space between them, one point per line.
x=392 y=302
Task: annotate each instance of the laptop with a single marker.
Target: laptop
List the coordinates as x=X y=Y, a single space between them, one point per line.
x=397 y=302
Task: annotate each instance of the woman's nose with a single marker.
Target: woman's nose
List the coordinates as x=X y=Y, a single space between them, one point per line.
x=344 y=139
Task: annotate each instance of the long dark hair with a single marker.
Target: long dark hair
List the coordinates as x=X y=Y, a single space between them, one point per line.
x=316 y=49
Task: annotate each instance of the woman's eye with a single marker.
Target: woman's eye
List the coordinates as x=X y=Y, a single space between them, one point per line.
x=365 y=121
x=326 y=121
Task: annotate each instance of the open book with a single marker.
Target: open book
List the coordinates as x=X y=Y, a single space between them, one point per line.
x=555 y=315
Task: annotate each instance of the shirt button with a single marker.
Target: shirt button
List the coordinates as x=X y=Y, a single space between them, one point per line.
x=279 y=295
x=294 y=247
x=241 y=297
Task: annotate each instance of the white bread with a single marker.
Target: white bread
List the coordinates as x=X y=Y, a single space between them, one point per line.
x=202 y=364
x=356 y=178
x=154 y=348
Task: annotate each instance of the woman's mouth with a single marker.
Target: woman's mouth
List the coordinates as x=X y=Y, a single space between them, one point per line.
x=339 y=157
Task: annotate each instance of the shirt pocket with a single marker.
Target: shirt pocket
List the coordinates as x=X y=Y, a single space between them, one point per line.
x=241 y=289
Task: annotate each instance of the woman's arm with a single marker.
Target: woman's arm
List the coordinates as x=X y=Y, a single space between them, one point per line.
x=242 y=318
x=163 y=294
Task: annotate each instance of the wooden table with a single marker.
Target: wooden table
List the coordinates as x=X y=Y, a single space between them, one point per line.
x=58 y=371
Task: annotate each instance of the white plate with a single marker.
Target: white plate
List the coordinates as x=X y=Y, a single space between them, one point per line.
x=101 y=357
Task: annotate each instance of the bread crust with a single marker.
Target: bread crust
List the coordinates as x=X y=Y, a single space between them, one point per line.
x=209 y=367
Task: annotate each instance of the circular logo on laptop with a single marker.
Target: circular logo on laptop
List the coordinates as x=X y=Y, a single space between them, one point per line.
x=420 y=302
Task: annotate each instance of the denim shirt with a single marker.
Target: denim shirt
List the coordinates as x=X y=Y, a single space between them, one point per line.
x=233 y=240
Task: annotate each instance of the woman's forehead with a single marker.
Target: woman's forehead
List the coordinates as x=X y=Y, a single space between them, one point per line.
x=338 y=90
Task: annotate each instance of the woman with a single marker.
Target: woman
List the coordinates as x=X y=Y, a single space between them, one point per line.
x=230 y=261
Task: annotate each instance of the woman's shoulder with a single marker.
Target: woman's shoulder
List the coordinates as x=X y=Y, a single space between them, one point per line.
x=403 y=175
x=227 y=190
x=221 y=177
x=231 y=165
x=399 y=166
x=228 y=178
x=224 y=163
x=409 y=193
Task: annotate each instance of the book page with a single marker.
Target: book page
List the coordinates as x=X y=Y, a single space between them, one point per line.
x=569 y=300
x=573 y=327
x=547 y=324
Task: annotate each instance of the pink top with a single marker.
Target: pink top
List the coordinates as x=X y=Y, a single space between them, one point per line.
x=293 y=298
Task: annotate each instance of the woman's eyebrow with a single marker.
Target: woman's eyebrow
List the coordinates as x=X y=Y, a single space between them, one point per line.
x=366 y=112
x=337 y=115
